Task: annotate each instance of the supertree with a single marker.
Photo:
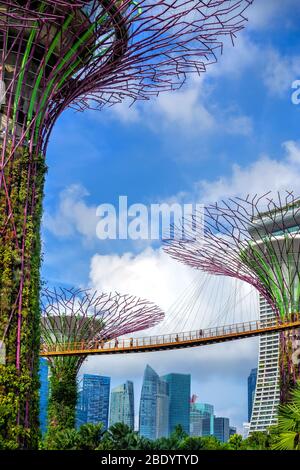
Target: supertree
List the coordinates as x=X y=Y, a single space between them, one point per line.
x=82 y=54
x=74 y=315
x=256 y=240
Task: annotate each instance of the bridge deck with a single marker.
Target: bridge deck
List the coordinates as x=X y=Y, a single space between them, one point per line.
x=170 y=341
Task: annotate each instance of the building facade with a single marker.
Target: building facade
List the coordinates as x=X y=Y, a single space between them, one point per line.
x=267 y=391
x=162 y=410
x=195 y=421
x=44 y=394
x=221 y=429
x=93 y=400
x=154 y=406
x=122 y=405
x=246 y=429
x=179 y=404
x=251 y=391
x=148 y=404
x=201 y=419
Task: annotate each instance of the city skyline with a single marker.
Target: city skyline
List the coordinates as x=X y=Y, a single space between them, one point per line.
x=115 y=384
x=90 y=412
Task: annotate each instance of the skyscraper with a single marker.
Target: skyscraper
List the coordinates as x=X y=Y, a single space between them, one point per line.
x=93 y=400
x=148 y=404
x=251 y=391
x=162 y=410
x=221 y=429
x=44 y=394
x=201 y=419
x=179 y=406
x=195 y=421
x=267 y=392
x=122 y=405
x=154 y=406
x=207 y=412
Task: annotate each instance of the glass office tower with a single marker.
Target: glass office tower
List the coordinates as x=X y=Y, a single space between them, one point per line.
x=93 y=400
x=179 y=405
x=221 y=429
x=154 y=406
x=201 y=419
x=251 y=391
x=122 y=405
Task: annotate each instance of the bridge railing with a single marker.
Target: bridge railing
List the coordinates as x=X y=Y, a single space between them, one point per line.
x=183 y=337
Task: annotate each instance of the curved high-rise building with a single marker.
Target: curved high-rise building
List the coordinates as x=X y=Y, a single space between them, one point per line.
x=267 y=390
x=154 y=406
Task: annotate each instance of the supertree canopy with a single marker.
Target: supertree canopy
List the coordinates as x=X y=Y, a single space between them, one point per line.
x=256 y=240
x=71 y=316
x=57 y=54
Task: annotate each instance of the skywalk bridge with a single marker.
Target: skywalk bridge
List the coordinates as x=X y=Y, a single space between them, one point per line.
x=188 y=339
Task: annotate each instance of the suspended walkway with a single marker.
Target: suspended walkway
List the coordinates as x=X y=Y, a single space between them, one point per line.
x=189 y=339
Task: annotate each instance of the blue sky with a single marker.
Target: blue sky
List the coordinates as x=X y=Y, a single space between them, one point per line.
x=231 y=132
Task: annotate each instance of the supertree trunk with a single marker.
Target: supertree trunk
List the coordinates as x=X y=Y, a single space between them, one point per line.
x=63 y=396
x=289 y=362
x=21 y=194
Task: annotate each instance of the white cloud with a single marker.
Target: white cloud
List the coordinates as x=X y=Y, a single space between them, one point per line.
x=268 y=13
x=190 y=111
x=73 y=215
x=280 y=71
x=150 y=274
x=235 y=59
x=264 y=174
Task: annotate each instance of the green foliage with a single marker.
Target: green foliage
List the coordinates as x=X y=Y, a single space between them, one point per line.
x=121 y=437
x=288 y=428
x=235 y=442
x=258 y=441
x=200 y=443
x=19 y=272
x=88 y=437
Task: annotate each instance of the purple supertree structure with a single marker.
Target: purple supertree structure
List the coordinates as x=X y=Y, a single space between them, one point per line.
x=82 y=54
x=82 y=316
x=256 y=240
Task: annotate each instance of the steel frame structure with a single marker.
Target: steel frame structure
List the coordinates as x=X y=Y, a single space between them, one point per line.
x=256 y=240
x=81 y=54
x=78 y=315
x=84 y=316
